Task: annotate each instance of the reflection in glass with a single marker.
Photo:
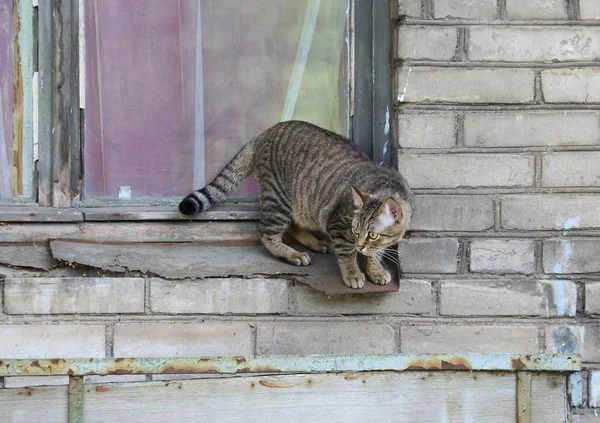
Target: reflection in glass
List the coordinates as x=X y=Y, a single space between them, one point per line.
x=174 y=88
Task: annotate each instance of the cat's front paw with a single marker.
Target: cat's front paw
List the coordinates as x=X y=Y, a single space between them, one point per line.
x=380 y=276
x=298 y=259
x=354 y=279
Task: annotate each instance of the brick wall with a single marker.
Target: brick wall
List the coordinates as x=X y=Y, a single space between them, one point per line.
x=498 y=123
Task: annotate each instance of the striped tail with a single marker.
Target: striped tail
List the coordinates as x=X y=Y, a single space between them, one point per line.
x=240 y=167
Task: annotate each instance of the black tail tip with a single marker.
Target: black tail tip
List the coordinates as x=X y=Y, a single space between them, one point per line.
x=189 y=206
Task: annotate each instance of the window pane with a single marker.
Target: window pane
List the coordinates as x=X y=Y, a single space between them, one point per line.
x=6 y=100
x=16 y=74
x=174 y=88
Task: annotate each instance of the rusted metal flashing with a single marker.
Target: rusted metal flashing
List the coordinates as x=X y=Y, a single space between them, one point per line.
x=293 y=364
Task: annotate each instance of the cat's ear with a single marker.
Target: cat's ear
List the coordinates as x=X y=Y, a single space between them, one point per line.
x=392 y=208
x=359 y=198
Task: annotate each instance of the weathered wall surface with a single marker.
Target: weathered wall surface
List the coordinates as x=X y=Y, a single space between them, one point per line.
x=498 y=124
x=499 y=134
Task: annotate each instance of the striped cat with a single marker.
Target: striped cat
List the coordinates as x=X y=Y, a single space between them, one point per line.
x=315 y=181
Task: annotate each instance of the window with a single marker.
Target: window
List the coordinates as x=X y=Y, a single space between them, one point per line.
x=157 y=95
x=16 y=96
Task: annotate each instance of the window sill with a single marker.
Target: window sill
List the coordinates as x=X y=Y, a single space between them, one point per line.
x=34 y=213
x=210 y=260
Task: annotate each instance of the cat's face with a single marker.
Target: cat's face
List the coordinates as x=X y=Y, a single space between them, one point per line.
x=378 y=223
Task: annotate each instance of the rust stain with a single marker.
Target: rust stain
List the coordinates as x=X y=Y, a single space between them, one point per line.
x=240 y=360
x=185 y=370
x=351 y=377
x=518 y=364
x=55 y=361
x=101 y=388
x=259 y=369
x=455 y=363
x=27 y=392
x=70 y=372
x=118 y=360
x=121 y=372
x=458 y=365
x=36 y=363
x=271 y=384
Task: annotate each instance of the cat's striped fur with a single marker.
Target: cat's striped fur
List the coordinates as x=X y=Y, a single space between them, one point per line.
x=315 y=181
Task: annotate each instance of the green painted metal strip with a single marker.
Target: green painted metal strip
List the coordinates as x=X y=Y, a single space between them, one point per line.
x=293 y=364
x=75 y=399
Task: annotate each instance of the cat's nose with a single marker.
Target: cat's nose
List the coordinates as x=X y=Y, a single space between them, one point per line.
x=360 y=247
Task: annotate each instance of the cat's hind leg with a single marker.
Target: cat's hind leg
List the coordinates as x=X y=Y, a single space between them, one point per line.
x=307 y=239
x=275 y=219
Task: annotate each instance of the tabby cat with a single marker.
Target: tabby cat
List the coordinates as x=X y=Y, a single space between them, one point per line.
x=315 y=181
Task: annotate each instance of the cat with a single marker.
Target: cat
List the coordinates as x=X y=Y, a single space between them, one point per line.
x=315 y=181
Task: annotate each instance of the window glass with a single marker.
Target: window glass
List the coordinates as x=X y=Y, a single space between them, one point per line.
x=16 y=98
x=7 y=189
x=174 y=88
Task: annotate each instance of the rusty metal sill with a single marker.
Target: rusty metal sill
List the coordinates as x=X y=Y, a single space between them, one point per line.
x=293 y=364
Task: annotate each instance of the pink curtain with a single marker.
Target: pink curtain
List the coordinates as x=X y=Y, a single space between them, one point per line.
x=174 y=92
x=6 y=100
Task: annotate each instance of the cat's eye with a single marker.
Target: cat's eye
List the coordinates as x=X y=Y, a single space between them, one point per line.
x=355 y=230
x=373 y=235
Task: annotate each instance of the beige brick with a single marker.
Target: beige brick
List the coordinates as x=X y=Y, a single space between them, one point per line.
x=502 y=256
x=182 y=340
x=414 y=297
x=589 y=9
x=51 y=341
x=427 y=42
x=594 y=387
x=582 y=339
x=585 y=416
x=464 y=85
x=533 y=44
x=522 y=129
x=429 y=255
x=467 y=170
x=550 y=211
x=508 y=298
x=563 y=256
x=536 y=9
x=411 y=8
x=592 y=298
x=73 y=295
x=234 y=295
x=571 y=86
x=427 y=130
x=469 y=339
x=452 y=213
x=290 y=338
x=28 y=381
x=467 y=9
x=571 y=169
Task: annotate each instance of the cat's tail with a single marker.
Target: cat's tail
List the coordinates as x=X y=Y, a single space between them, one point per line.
x=240 y=167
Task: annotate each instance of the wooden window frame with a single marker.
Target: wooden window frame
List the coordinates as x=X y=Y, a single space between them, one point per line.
x=58 y=180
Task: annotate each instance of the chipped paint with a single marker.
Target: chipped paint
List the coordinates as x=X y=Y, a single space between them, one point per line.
x=562 y=296
x=285 y=364
x=566 y=246
x=594 y=389
x=575 y=390
x=403 y=95
x=567 y=253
